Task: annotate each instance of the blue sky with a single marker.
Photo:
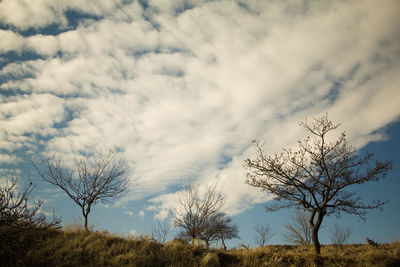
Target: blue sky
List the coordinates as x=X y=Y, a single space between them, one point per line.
x=181 y=88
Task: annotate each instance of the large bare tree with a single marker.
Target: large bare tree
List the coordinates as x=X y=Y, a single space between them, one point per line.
x=317 y=176
x=100 y=177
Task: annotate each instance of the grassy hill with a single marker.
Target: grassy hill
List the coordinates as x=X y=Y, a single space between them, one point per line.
x=75 y=247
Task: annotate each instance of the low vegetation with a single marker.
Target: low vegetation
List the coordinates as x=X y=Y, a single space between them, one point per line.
x=77 y=247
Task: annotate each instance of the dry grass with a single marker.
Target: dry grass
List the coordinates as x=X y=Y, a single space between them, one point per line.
x=346 y=255
x=75 y=247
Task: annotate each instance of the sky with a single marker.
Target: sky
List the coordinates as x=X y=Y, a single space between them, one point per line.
x=181 y=88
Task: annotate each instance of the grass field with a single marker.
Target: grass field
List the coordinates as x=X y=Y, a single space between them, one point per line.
x=75 y=247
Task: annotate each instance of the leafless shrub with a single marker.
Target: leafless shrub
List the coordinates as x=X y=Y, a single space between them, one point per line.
x=299 y=230
x=161 y=231
x=263 y=234
x=339 y=234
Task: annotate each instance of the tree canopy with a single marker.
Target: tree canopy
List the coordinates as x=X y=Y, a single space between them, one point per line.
x=101 y=177
x=318 y=176
x=199 y=216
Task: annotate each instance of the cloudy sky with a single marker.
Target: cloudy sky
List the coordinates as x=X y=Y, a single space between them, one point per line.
x=181 y=88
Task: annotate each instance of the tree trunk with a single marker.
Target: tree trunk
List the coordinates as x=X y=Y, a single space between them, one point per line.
x=317 y=245
x=315 y=228
x=85 y=216
x=223 y=243
x=86 y=219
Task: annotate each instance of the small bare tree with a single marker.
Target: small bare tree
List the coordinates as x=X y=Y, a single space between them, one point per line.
x=340 y=234
x=194 y=210
x=317 y=176
x=218 y=227
x=263 y=234
x=298 y=230
x=226 y=230
x=100 y=177
x=161 y=231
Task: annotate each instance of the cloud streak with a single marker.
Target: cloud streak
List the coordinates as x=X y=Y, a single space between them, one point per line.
x=181 y=88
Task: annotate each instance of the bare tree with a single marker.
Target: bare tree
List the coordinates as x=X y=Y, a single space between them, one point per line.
x=161 y=230
x=218 y=227
x=100 y=177
x=263 y=234
x=317 y=176
x=226 y=230
x=299 y=230
x=15 y=210
x=17 y=216
x=195 y=210
x=340 y=234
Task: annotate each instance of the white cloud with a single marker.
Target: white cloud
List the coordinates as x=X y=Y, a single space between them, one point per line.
x=11 y=41
x=129 y=213
x=31 y=113
x=24 y=117
x=183 y=101
x=132 y=233
x=43 y=44
x=4 y=182
x=162 y=214
x=18 y=70
x=230 y=181
x=25 y=14
x=151 y=208
x=141 y=213
x=9 y=159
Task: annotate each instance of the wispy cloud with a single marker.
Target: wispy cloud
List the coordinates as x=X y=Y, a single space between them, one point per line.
x=182 y=87
x=129 y=213
x=141 y=213
x=43 y=13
